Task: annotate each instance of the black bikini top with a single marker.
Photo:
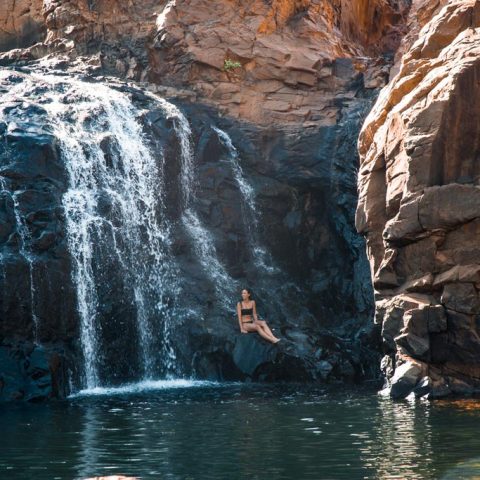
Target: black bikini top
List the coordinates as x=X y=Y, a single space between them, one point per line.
x=246 y=311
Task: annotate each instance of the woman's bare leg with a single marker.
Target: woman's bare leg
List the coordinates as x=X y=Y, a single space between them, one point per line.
x=265 y=335
x=274 y=339
x=253 y=327
x=264 y=325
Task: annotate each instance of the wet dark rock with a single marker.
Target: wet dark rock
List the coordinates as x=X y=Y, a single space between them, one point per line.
x=45 y=241
x=460 y=387
x=324 y=368
x=32 y=373
x=250 y=352
x=319 y=300
x=439 y=388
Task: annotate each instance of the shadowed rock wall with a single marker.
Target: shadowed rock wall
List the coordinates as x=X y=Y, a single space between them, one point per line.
x=21 y=24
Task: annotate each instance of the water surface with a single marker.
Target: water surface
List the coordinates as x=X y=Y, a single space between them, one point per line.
x=181 y=430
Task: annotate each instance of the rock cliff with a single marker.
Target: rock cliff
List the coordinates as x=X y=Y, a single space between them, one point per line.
x=292 y=61
x=21 y=24
x=291 y=81
x=419 y=206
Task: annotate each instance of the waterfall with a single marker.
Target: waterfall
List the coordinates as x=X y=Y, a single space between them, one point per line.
x=201 y=238
x=134 y=185
x=116 y=223
x=114 y=211
x=117 y=226
x=260 y=255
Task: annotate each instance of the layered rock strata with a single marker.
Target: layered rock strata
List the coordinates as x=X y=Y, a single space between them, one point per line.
x=291 y=61
x=419 y=208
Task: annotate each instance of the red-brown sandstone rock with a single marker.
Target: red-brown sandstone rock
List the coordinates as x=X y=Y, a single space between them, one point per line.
x=419 y=187
x=21 y=23
x=299 y=59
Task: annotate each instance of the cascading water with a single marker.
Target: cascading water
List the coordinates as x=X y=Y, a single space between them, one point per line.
x=115 y=199
x=116 y=223
x=133 y=183
x=119 y=230
x=260 y=255
x=203 y=242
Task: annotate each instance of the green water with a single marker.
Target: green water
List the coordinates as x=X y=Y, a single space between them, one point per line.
x=240 y=432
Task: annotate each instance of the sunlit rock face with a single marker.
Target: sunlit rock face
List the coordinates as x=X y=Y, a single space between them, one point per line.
x=287 y=84
x=420 y=202
x=21 y=24
x=297 y=59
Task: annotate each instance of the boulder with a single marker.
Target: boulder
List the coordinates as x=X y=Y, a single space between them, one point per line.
x=414 y=346
x=461 y=297
x=405 y=379
x=423 y=387
x=31 y=373
x=251 y=351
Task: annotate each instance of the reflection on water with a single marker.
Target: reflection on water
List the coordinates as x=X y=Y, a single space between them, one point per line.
x=401 y=430
x=239 y=431
x=89 y=448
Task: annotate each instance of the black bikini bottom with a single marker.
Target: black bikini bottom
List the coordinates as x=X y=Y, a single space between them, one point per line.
x=250 y=321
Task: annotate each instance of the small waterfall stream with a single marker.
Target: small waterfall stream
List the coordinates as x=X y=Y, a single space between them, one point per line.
x=201 y=238
x=24 y=233
x=259 y=253
x=270 y=282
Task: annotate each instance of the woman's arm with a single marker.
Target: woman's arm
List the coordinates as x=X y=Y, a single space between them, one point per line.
x=239 y=314
x=254 y=310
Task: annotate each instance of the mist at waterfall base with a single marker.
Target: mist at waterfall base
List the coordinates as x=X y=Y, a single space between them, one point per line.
x=137 y=228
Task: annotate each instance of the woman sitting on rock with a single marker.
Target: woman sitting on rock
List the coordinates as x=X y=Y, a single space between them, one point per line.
x=248 y=320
